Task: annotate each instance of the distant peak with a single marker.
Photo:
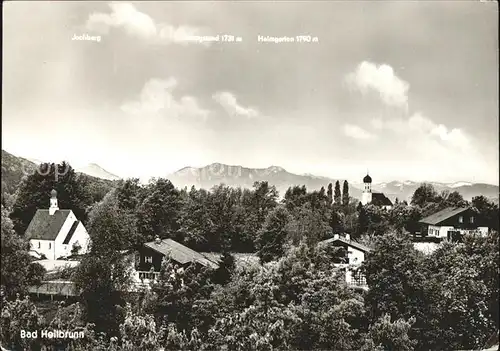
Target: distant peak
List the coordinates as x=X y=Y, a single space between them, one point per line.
x=94 y=170
x=276 y=169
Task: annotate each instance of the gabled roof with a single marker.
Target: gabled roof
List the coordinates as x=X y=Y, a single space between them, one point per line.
x=351 y=243
x=43 y=226
x=179 y=252
x=71 y=232
x=379 y=199
x=442 y=215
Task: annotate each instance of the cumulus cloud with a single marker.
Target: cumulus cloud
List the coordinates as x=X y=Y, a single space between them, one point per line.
x=157 y=97
x=139 y=24
x=415 y=129
x=381 y=79
x=230 y=104
x=356 y=132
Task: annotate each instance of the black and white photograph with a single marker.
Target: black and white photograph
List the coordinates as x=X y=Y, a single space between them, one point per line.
x=250 y=176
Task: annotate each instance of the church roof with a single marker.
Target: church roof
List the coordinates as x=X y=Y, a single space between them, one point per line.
x=71 y=232
x=379 y=199
x=367 y=179
x=43 y=226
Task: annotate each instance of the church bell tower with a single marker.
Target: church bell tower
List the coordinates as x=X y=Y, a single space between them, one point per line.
x=53 y=202
x=366 y=197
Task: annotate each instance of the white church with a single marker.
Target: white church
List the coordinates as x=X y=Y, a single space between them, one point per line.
x=377 y=199
x=56 y=233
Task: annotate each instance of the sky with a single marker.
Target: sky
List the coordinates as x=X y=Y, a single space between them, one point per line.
x=407 y=90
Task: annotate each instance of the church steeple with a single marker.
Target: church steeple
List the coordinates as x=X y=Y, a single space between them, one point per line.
x=367 y=180
x=366 y=197
x=53 y=202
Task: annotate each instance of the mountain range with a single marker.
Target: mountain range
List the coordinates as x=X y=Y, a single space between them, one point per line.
x=92 y=169
x=13 y=169
x=216 y=173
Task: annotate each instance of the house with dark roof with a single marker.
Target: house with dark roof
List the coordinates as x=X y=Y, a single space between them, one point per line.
x=352 y=256
x=150 y=256
x=376 y=199
x=55 y=233
x=452 y=223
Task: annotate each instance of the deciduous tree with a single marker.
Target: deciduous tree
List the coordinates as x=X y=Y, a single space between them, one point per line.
x=34 y=194
x=17 y=269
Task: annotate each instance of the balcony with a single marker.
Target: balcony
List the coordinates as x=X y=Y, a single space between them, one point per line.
x=146 y=276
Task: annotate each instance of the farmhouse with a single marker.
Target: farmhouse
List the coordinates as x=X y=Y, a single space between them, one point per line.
x=354 y=256
x=377 y=199
x=56 y=233
x=451 y=223
x=151 y=254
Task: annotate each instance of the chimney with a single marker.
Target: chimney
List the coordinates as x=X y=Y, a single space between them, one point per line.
x=53 y=202
x=157 y=240
x=335 y=236
x=347 y=237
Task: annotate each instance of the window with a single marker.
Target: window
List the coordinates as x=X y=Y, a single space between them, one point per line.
x=460 y=219
x=148 y=259
x=358 y=279
x=39 y=245
x=50 y=245
x=472 y=219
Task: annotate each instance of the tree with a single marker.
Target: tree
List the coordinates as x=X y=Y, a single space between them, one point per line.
x=195 y=221
x=158 y=215
x=299 y=302
x=457 y=313
x=272 y=237
x=17 y=315
x=425 y=194
x=330 y=193
x=180 y=295
x=405 y=218
x=17 y=271
x=345 y=194
x=392 y=335
x=372 y=221
x=337 y=196
x=394 y=272
x=307 y=226
x=111 y=227
x=264 y=199
x=129 y=194
x=101 y=278
x=34 y=193
x=226 y=268
x=359 y=207
x=336 y=221
x=138 y=332
x=487 y=210
x=295 y=197
x=221 y=211
x=453 y=199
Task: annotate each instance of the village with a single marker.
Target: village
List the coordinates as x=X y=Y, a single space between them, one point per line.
x=250 y=176
x=58 y=240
